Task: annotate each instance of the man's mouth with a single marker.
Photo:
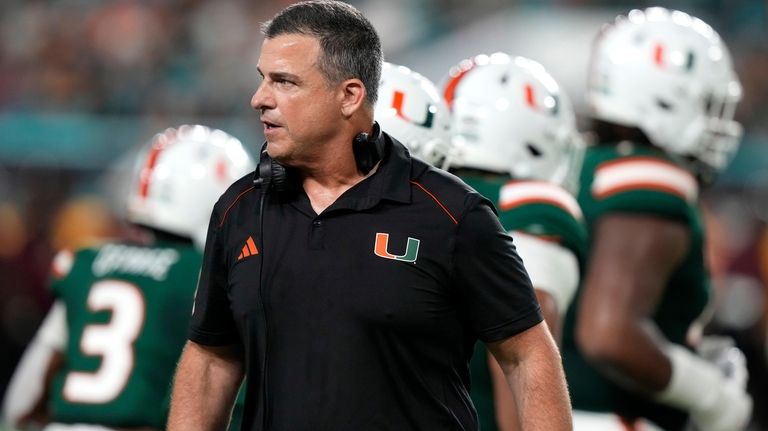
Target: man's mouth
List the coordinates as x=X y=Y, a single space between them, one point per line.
x=269 y=125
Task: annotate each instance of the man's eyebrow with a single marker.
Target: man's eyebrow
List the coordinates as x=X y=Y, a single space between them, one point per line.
x=283 y=76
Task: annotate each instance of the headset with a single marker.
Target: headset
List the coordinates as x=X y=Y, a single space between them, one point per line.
x=367 y=149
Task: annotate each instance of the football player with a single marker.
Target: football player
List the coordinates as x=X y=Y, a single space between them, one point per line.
x=119 y=322
x=516 y=143
x=411 y=110
x=663 y=93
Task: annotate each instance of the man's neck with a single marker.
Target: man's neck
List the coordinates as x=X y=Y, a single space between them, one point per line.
x=334 y=172
x=324 y=187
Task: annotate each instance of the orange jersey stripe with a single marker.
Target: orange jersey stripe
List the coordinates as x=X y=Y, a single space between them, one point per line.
x=639 y=186
x=643 y=173
x=229 y=207
x=634 y=159
x=434 y=198
x=518 y=193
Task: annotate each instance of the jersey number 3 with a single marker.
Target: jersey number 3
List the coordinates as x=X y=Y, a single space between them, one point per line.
x=112 y=341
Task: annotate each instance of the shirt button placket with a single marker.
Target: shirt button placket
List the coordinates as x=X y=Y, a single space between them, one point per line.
x=317 y=234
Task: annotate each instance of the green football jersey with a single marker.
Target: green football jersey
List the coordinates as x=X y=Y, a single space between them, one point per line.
x=536 y=208
x=128 y=308
x=634 y=179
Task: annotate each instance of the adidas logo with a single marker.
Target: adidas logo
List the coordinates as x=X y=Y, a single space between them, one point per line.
x=249 y=249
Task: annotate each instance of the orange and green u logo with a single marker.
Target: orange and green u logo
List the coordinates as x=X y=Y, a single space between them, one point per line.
x=399 y=99
x=382 y=243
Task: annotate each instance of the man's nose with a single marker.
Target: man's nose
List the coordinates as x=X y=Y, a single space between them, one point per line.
x=261 y=99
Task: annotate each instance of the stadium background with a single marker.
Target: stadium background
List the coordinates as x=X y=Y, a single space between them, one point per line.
x=84 y=81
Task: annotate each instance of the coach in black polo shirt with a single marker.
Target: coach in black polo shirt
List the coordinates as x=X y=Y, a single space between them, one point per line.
x=351 y=295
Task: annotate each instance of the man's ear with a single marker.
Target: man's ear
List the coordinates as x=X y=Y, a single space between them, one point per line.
x=352 y=96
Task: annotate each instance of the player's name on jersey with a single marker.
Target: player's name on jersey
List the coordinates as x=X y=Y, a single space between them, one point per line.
x=141 y=261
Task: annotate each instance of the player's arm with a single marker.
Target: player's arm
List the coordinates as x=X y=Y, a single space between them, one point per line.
x=632 y=259
x=27 y=397
x=554 y=273
x=533 y=371
x=204 y=389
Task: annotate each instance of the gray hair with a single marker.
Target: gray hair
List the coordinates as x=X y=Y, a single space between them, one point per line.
x=349 y=45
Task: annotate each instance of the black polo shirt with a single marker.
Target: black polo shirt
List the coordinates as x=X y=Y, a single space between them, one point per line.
x=363 y=317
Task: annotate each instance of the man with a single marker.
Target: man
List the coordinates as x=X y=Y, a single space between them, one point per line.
x=517 y=144
x=112 y=339
x=663 y=93
x=351 y=288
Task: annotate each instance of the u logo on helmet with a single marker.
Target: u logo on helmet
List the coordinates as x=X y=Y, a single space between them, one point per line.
x=551 y=104
x=397 y=103
x=678 y=61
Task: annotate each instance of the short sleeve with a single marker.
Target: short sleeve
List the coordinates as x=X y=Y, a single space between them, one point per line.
x=212 y=323
x=497 y=297
x=546 y=211
x=644 y=185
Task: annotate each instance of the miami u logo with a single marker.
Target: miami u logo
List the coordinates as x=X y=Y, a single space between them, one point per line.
x=681 y=61
x=551 y=103
x=382 y=243
x=397 y=103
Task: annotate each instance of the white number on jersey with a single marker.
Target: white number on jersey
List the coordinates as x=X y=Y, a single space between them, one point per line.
x=112 y=341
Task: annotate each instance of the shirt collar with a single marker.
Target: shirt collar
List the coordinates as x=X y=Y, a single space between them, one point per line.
x=391 y=181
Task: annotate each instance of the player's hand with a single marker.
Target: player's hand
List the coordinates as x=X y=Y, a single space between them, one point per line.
x=731 y=407
x=722 y=351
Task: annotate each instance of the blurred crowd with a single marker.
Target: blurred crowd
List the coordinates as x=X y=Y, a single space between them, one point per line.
x=166 y=60
x=191 y=57
x=129 y=57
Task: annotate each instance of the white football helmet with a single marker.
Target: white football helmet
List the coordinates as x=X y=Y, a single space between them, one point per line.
x=411 y=110
x=510 y=116
x=670 y=75
x=180 y=174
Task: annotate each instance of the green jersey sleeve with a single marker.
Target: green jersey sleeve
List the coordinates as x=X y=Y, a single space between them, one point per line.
x=544 y=210
x=643 y=184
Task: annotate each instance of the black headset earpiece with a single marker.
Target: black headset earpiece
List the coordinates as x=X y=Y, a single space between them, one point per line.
x=270 y=175
x=368 y=150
